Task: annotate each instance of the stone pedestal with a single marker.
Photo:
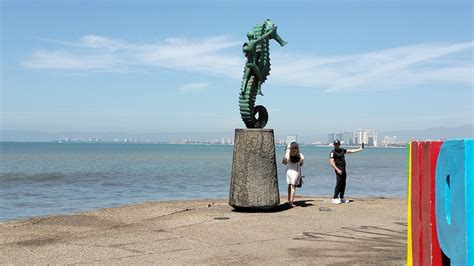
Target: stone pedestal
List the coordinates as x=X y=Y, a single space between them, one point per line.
x=254 y=180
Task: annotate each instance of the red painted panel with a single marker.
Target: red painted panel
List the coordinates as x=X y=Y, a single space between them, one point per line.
x=415 y=204
x=425 y=181
x=426 y=251
x=436 y=257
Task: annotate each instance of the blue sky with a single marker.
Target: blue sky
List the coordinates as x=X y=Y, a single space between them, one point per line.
x=176 y=66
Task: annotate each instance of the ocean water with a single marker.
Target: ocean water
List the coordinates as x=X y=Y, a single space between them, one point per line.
x=57 y=178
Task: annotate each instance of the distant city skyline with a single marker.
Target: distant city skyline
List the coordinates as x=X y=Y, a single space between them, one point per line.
x=466 y=131
x=355 y=137
x=147 y=67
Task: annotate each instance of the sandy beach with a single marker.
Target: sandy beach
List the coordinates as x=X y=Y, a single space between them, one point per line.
x=364 y=231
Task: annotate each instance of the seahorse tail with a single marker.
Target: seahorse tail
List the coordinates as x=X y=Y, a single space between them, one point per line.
x=248 y=110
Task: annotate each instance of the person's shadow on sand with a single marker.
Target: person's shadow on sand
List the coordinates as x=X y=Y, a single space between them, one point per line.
x=303 y=203
x=279 y=208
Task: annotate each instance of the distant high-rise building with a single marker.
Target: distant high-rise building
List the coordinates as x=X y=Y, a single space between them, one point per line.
x=291 y=138
x=367 y=136
x=358 y=136
x=371 y=137
x=387 y=141
x=331 y=137
x=348 y=138
x=392 y=141
x=335 y=135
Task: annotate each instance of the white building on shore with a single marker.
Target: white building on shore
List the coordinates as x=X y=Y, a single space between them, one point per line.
x=291 y=138
x=392 y=141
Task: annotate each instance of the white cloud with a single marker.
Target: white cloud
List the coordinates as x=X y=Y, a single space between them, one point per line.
x=205 y=56
x=71 y=61
x=394 y=68
x=380 y=70
x=193 y=87
x=94 y=41
x=94 y=52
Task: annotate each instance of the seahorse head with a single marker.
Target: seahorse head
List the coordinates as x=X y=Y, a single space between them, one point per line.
x=250 y=35
x=268 y=25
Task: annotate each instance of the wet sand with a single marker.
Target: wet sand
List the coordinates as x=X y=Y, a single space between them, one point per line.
x=365 y=231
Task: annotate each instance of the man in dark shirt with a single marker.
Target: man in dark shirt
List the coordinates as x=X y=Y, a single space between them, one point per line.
x=338 y=162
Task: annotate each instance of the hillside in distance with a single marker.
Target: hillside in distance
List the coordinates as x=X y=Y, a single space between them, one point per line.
x=435 y=133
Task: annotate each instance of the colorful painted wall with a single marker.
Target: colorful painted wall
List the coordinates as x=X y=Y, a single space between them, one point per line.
x=440 y=211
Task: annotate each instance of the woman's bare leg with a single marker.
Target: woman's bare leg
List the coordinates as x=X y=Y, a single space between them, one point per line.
x=292 y=195
x=289 y=193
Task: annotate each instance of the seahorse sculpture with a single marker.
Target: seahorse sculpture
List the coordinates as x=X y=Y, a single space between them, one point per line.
x=256 y=70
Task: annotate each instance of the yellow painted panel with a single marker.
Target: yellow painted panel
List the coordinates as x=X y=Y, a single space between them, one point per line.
x=409 y=238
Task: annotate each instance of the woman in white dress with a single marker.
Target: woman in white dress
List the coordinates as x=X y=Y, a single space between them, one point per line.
x=293 y=160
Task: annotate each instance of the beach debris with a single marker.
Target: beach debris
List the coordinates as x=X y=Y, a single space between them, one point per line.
x=221 y=218
x=323 y=209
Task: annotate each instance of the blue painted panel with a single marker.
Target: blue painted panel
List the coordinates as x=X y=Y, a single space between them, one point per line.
x=451 y=198
x=469 y=170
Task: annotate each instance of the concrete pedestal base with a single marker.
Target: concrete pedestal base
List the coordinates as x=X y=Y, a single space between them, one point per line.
x=254 y=181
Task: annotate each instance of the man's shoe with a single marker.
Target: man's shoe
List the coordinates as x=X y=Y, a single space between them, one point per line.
x=336 y=201
x=343 y=200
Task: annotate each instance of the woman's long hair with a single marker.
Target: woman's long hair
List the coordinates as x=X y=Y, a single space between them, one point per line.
x=294 y=153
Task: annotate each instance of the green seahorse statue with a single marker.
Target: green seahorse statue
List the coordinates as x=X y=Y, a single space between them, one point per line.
x=256 y=70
